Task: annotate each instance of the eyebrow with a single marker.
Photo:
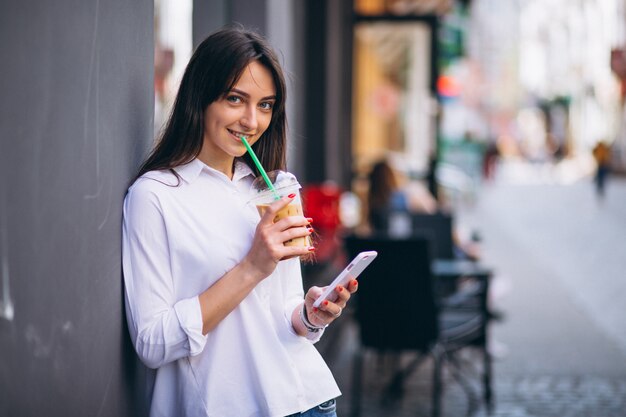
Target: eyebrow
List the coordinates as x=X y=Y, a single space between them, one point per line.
x=243 y=93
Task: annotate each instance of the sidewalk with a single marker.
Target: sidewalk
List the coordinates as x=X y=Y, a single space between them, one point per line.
x=559 y=257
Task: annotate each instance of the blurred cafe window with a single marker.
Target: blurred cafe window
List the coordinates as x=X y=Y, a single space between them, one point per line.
x=401 y=7
x=172 y=50
x=393 y=107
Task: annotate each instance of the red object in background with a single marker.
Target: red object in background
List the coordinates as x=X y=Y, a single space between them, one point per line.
x=448 y=86
x=321 y=202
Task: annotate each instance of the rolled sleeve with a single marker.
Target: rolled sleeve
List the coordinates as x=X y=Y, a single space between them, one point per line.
x=190 y=318
x=293 y=291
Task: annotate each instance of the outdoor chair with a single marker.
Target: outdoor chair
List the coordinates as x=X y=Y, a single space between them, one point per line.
x=458 y=282
x=398 y=312
x=439 y=228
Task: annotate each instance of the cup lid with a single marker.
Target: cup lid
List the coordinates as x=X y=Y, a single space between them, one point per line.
x=280 y=179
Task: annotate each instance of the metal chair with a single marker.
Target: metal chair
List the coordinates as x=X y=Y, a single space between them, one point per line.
x=439 y=228
x=397 y=310
x=461 y=285
x=456 y=279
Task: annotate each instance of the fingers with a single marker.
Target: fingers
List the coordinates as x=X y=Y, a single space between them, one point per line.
x=281 y=223
x=328 y=311
x=284 y=219
x=287 y=222
x=295 y=232
x=343 y=295
x=277 y=217
x=317 y=316
x=312 y=294
x=270 y=211
x=295 y=251
x=271 y=239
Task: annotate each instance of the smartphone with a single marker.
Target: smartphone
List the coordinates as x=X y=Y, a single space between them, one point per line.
x=350 y=272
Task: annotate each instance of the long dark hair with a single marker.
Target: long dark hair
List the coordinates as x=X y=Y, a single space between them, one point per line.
x=213 y=70
x=382 y=183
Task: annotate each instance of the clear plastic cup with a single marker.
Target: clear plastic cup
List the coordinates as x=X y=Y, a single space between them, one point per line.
x=284 y=183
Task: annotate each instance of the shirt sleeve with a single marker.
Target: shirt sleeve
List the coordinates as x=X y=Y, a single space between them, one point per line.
x=294 y=293
x=162 y=328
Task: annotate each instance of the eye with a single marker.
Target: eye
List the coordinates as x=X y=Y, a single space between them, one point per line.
x=234 y=99
x=266 y=105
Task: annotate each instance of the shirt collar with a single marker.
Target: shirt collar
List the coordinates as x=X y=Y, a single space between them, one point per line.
x=191 y=171
x=242 y=170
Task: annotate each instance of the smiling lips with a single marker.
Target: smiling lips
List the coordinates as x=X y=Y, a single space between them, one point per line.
x=239 y=135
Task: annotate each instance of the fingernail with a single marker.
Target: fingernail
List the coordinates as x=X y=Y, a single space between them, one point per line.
x=315 y=309
x=325 y=303
x=311 y=249
x=354 y=283
x=292 y=195
x=310 y=230
x=339 y=289
x=309 y=219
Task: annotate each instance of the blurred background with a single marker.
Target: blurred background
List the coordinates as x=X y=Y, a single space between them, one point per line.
x=508 y=115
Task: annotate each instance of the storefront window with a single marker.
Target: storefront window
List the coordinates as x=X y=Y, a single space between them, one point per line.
x=401 y=7
x=392 y=102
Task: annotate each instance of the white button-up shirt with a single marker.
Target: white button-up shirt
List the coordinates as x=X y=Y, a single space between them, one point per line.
x=177 y=242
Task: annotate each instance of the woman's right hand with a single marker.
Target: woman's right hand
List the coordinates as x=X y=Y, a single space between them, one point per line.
x=268 y=244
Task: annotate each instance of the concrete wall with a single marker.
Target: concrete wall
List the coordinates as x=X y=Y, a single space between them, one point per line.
x=75 y=120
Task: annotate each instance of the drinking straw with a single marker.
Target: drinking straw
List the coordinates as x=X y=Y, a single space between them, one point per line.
x=260 y=167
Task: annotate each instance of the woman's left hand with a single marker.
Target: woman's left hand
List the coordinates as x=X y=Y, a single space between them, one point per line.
x=328 y=311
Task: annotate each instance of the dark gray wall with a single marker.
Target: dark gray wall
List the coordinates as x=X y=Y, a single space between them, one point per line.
x=209 y=16
x=75 y=120
x=251 y=13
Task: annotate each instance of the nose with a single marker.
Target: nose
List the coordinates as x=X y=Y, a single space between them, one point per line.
x=249 y=118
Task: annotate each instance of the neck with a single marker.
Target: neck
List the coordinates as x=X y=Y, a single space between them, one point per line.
x=225 y=166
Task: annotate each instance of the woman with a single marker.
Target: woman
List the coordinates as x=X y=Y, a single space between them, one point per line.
x=214 y=299
x=387 y=196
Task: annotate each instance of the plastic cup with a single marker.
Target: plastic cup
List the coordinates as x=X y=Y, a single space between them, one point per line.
x=284 y=184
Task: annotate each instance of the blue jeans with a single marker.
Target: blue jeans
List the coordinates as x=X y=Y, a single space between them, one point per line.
x=325 y=409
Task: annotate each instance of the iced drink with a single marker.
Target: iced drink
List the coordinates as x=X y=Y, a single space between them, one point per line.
x=292 y=209
x=284 y=183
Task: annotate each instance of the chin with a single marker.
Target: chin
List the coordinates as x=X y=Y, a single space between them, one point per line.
x=238 y=153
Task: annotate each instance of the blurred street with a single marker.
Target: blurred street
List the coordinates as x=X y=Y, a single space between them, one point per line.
x=559 y=261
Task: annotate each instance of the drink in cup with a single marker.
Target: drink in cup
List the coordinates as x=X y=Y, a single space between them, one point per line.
x=284 y=183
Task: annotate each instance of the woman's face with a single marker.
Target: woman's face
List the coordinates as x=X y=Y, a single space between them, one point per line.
x=244 y=110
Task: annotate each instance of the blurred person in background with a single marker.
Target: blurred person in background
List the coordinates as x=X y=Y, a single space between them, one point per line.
x=490 y=160
x=387 y=193
x=602 y=154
